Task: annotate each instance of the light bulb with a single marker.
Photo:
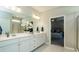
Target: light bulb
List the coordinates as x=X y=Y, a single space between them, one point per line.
x=18 y=21
x=36 y=17
x=18 y=10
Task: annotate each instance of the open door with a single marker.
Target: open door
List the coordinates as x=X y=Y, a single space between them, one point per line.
x=57 y=31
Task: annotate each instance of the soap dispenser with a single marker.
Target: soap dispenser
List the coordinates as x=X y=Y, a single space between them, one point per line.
x=37 y=29
x=7 y=34
x=42 y=28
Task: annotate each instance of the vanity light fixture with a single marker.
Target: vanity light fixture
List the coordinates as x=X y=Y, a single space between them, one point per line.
x=16 y=9
x=22 y=24
x=18 y=21
x=11 y=7
x=36 y=17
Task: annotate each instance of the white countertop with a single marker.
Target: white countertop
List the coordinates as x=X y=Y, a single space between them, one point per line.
x=4 y=37
x=17 y=35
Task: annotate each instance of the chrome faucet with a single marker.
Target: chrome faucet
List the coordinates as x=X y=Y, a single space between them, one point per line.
x=7 y=34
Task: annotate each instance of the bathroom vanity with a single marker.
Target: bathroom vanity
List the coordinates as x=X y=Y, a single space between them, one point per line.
x=19 y=23
x=22 y=42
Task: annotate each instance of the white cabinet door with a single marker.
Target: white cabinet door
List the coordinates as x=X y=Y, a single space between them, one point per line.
x=35 y=43
x=9 y=46
x=23 y=44
x=26 y=44
x=43 y=38
x=39 y=40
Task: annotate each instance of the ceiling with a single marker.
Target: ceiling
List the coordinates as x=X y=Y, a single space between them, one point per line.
x=43 y=8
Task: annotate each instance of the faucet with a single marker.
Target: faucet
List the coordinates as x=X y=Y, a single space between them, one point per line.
x=7 y=34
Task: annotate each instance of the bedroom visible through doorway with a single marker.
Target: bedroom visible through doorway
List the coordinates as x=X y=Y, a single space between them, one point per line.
x=57 y=31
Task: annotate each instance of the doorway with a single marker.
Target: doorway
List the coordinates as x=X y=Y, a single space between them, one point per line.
x=57 y=31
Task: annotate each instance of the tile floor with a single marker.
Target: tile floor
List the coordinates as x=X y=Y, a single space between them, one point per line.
x=52 y=48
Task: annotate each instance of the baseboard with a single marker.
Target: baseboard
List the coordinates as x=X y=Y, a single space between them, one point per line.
x=73 y=49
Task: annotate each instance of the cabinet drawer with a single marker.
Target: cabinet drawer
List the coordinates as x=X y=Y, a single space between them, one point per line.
x=10 y=48
x=26 y=38
x=8 y=42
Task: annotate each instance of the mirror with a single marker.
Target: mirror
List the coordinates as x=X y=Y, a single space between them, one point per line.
x=16 y=24
x=12 y=23
x=20 y=25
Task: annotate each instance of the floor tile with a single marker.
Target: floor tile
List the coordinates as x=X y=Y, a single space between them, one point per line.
x=52 y=48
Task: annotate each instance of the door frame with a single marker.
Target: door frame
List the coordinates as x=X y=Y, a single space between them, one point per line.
x=50 y=28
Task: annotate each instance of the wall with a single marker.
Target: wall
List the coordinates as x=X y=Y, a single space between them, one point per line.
x=69 y=28
x=36 y=22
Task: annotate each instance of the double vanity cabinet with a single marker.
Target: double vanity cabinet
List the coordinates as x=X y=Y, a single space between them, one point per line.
x=22 y=43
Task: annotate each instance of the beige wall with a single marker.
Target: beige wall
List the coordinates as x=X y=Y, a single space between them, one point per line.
x=69 y=23
x=36 y=21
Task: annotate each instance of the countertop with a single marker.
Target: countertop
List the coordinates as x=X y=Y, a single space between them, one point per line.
x=17 y=35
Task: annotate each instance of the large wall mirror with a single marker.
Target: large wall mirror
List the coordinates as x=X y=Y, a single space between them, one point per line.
x=20 y=25
x=16 y=24
x=12 y=23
